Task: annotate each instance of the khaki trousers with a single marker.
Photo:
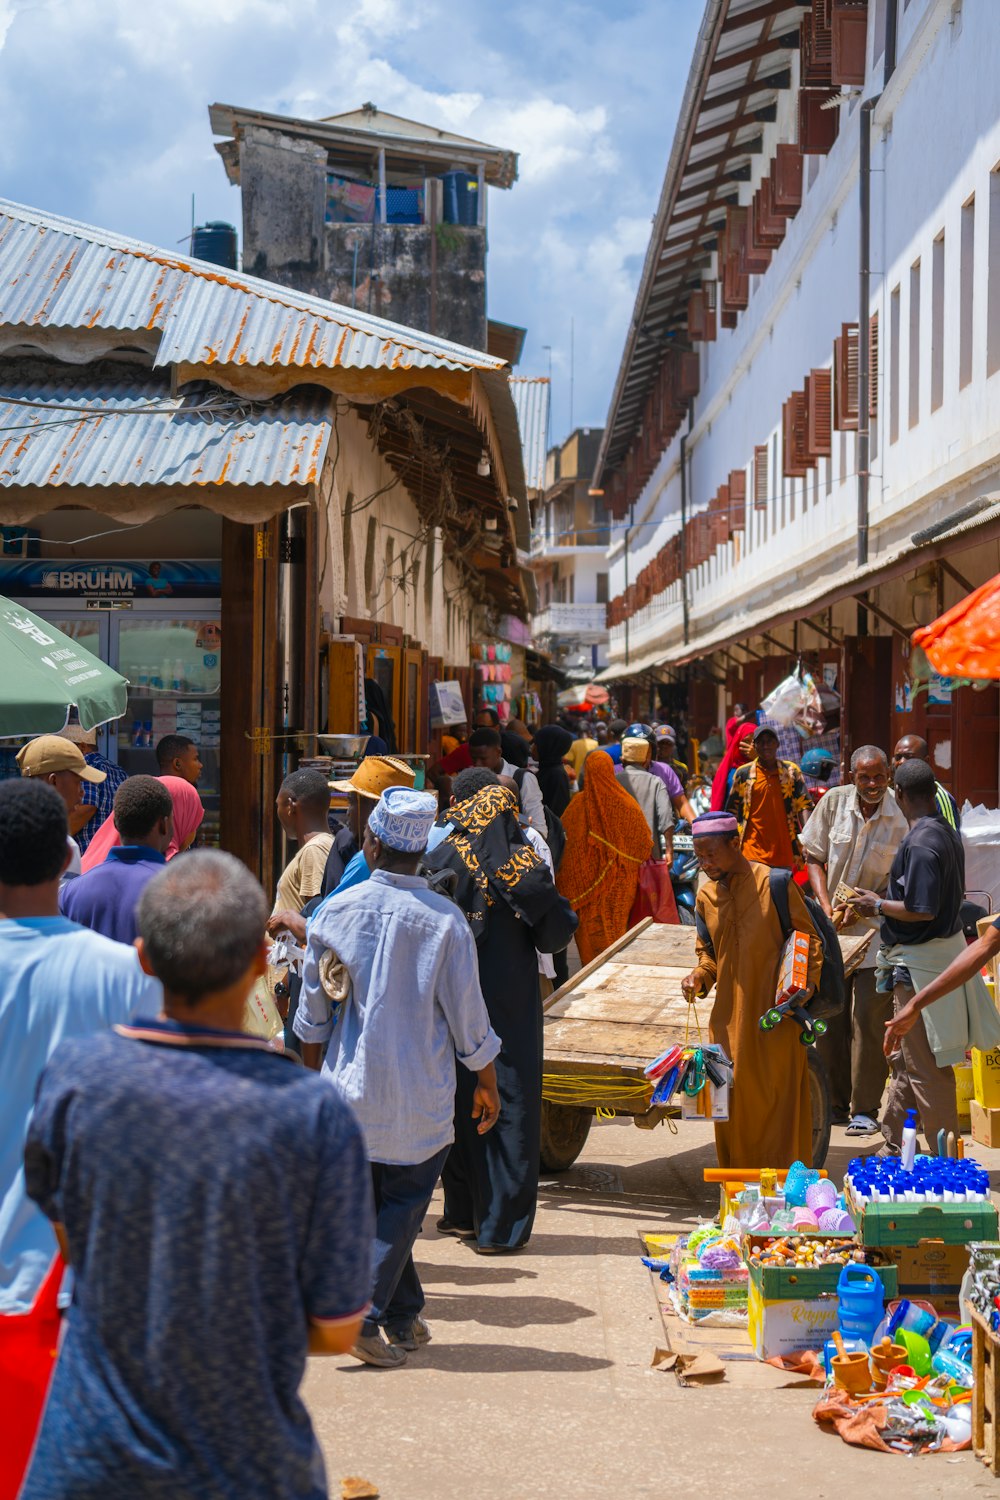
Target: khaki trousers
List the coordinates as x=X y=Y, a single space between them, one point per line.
x=918 y=1083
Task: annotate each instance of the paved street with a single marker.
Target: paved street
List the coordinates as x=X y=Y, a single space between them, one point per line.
x=538 y=1380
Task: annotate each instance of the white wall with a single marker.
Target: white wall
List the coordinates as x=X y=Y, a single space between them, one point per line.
x=936 y=139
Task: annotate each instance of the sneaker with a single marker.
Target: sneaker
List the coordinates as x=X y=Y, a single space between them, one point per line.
x=445 y=1226
x=372 y=1349
x=409 y=1338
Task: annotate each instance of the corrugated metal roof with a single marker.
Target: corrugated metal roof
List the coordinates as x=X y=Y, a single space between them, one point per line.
x=134 y=432
x=531 y=400
x=55 y=273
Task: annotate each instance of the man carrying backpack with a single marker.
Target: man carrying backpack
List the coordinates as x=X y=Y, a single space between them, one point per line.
x=741 y=931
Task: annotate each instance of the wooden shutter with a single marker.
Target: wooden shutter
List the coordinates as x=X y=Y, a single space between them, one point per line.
x=688 y=374
x=728 y=317
x=696 y=317
x=818 y=126
x=795 y=463
x=873 y=366
x=786 y=180
x=737 y=501
x=845 y=379
x=819 y=417
x=758 y=253
x=760 y=477
x=815 y=48
x=732 y=261
x=723 y=528
x=768 y=228
x=849 y=42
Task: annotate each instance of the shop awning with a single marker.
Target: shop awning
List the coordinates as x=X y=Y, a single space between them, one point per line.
x=976 y=523
x=965 y=640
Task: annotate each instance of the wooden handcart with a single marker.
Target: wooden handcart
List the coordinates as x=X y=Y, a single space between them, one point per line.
x=622 y=1010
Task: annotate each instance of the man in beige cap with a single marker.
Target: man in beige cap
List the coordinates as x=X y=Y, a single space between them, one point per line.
x=58 y=761
x=97 y=801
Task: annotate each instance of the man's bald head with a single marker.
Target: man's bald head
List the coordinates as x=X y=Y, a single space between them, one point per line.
x=910 y=747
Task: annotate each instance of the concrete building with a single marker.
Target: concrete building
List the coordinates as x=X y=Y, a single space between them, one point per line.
x=370 y=210
x=249 y=500
x=800 y=470
x=569 y=543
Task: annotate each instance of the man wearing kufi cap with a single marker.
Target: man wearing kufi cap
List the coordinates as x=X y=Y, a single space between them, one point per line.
x=739 y=946
x=391 y=982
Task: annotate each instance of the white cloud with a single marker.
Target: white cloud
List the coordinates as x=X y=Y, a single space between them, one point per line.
x=104 y=104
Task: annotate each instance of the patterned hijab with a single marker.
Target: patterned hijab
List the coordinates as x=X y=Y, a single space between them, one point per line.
x=493 y=860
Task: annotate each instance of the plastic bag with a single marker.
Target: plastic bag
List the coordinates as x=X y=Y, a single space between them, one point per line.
x=654 y=895
x=796 y=703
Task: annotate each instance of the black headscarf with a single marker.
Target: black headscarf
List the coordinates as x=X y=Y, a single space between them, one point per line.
x=377 y=704
x=551 y=744
x=494 y=862
x=515 y=749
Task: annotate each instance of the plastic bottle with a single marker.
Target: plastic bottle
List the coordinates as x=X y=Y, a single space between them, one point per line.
x=860 y=1301
x=909 y=1150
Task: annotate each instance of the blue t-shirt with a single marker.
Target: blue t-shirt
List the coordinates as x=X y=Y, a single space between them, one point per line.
x=57 y=980
x=357 y=871
x=216 y=1196
x=105 y=898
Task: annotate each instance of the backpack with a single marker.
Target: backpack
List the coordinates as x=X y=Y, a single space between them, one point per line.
x=831 y=992
x=556 y=834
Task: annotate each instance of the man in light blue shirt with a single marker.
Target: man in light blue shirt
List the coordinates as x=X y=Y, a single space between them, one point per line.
x=391 y=979
x=57 y=980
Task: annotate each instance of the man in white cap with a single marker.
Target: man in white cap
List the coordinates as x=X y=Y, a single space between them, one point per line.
x=391 y=981
x=59 y=762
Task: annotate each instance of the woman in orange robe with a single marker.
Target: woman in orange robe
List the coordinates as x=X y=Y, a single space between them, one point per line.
x=607 y=839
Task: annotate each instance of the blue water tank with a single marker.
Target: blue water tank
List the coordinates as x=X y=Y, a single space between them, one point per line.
x=215 y=242
x=461 y=198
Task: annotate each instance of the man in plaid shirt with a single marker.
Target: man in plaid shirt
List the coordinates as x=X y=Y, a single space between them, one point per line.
x=91 y=795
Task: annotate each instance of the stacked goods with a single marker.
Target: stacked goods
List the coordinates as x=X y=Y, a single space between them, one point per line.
x=710 y=1278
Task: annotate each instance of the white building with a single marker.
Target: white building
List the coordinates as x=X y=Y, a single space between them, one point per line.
x=569 y=545
x=733 y=448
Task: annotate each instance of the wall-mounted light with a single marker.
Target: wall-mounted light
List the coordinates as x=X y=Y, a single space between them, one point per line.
x=511 y=503
x=490 y=523
x=483 y=466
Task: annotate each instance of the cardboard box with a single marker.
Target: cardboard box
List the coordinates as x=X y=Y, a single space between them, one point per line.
x=907 y=1224
x=796 y=1308
x=963 y=1092
x=985 y=1125
x=932 y=1271
x=986 y=1078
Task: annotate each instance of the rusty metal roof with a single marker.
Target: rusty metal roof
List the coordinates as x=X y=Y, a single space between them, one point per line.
x=55 y=273
x=124 y=428
x=531 y=401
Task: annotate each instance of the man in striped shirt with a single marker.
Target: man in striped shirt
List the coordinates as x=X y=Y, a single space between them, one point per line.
x=912 y=747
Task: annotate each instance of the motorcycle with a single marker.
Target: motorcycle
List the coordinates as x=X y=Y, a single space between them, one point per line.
x=684 y=874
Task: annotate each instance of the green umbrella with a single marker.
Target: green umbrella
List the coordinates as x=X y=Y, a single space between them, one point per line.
x=43 y=674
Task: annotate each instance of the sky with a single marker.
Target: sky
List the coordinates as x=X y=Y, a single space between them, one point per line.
x=105 y=111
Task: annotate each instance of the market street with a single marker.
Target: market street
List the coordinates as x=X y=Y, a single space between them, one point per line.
x=548 y=1354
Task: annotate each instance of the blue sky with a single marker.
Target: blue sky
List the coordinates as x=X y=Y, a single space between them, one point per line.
x=104 y=104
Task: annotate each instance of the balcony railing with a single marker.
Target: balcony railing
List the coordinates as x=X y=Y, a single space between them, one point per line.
x=591 y=536
x=571 y=620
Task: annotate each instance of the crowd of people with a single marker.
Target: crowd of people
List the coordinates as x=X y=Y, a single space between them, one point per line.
x=243 y=1203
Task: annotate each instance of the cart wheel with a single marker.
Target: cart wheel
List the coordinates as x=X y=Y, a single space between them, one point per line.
x=564 y=1131
x=820 y=1028
x=773 y=1018
x=819 y=1101
x=807 y=1038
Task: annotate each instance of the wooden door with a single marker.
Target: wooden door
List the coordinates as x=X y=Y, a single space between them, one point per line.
x=975 y=747
x=415 y=700
x=385 y=665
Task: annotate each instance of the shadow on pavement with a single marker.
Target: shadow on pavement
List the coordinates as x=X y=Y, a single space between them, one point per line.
x=475 y=1274
x=505 y=1311
x=504 y=1359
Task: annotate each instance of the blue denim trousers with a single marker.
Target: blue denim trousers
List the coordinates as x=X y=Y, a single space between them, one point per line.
x=402 y=1197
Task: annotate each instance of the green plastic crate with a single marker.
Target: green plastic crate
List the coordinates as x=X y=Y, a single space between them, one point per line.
x=802 y=1283
x=882 y=1224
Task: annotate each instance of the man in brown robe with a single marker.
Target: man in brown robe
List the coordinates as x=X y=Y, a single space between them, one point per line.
x=770 y=1118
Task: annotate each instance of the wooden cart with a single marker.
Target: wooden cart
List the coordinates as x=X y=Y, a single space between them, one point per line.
x=611 y=1019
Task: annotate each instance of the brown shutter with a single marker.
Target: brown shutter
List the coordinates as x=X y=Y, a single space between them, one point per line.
x=786 y=180
x=758 y=253
x=818 y=126
x=722 y=525
x=815 y=48
x=795 y=463
x=737 y=500
x=873 y=366
x=849 y=42
x=771 y=226
x=819 y=416
x=696 y=317
x=845 y=379
x=688 y=376
x=760 y=477
x=728 y=318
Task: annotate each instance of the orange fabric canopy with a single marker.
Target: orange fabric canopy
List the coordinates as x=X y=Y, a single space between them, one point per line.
x=965 y=640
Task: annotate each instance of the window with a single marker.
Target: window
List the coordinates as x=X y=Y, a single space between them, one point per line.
x=937 y=323
x=370 y=558
x=993 y=282
x=966 y=302
x=345 y=541
x=760 y=477
x=894 y=365
x=914 y=349
x=429 y=578
x=602 y=588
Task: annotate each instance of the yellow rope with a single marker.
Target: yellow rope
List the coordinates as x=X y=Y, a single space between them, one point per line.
x=591 y=1091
